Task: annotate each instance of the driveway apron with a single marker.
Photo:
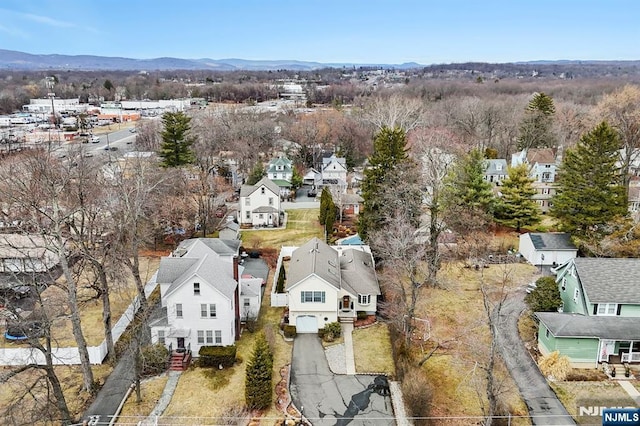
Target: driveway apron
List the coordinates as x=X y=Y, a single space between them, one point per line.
x=328 y=399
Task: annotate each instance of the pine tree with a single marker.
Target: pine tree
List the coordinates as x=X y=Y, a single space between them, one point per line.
x=590 y=192
x=257 y=173
x=536 y=130
x=176 y=144
x=281 y=278
x=258 y=381
x=325 y=202
x=388 y=156
x=516 y=207
x=330 y=219
x=467 y=197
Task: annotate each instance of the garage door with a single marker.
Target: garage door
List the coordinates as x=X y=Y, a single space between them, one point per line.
x=306 y=324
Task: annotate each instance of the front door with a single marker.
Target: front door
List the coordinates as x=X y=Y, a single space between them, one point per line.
x=607 y=347
x=180 y=342
x=346 y=302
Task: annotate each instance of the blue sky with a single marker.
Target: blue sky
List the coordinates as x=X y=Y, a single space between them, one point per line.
x=354 y=31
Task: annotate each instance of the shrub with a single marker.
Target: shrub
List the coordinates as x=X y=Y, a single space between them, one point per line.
x=555 y=365
x=290 y=331
x=281 y=278
x=258 y=380
x=214 y=356
x=417 y=394
x=154 y=359
x=333 y=328
x=361 y=315
x=545 y=297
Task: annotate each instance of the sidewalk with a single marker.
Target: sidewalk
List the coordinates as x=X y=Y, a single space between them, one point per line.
x=340 y=356
x=631 y=390
x=165 y=399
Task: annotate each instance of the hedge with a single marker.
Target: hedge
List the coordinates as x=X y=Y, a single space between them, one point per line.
x=214 y=356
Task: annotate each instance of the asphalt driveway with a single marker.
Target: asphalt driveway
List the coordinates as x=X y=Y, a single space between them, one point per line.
x=329 y=399
x=544 y=406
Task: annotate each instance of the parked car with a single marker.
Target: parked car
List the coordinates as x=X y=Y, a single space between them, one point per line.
x=311 y=193
x=95 y=139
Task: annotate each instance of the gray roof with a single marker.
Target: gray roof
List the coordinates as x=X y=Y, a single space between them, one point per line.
x=221 y=246
x=230 y=224
x=609 y=280
x=352 y=199
x=492 y=167
x=265 y=209
x=551 y=241
x=314 y=257
x=171 y=268
x=358 y=272
x=211 y=269
x=280 y=161
x=257 y=268
x=602 y=327
x=247 y=190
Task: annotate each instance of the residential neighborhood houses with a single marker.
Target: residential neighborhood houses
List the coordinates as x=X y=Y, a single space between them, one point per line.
x=211 y=285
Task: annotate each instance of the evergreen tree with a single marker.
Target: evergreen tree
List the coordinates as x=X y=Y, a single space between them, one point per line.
x=516 y=207
x=590 y=193
x=536 y=130
x=330 y=219
x=545 y=297
x=388 y=156
x=465 y=184
x=257 y=173
x=325 y=203
x=176 y=144
x=281 y=278
x=258 y=381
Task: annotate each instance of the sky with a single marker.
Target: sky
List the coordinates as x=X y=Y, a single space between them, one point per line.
x=327 y=31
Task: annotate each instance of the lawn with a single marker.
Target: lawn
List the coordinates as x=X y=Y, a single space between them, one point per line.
x=457 y=321
x=571 y=394
x=302 y=225
x=372 y=350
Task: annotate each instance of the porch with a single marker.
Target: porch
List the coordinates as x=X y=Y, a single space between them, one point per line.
x=346 y=313
x=619 y=351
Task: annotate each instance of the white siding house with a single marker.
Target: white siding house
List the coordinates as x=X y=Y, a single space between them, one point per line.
x=260 y=204
x=547 y=249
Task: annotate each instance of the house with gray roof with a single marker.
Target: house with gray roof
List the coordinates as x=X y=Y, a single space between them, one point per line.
x=205 y=294
x=260 y=204
x=547 y=248
x=326 y=284
x=600 y=314
x=495 y=170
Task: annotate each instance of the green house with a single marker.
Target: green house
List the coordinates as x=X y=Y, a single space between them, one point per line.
x=600 y=314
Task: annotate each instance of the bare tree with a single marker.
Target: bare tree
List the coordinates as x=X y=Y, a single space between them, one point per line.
x=394 y=111
x=44 y=188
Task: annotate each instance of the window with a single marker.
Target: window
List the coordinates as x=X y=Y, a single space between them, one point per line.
x=312 y=296
x=247 y=201
x=546 y=333
x=545 y=191
x=261 y=216
x=576 y=295
x=218 y=337
x=196 y=289
x=262 y=190
x=203 y=310
x=212 y=310
x=247 y=301
x=364 y=299
x=209 y=337
x=270 y=201
x=248 y=215
x=178 y=310
x=607 y=309
x=200 y=337
x=564 y=284
x=161 y=336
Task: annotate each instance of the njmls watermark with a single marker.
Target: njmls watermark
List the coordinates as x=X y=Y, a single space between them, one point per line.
x=608 y=412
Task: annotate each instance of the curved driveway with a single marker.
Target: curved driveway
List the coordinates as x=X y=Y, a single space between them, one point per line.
x=328 y=399
x=544 y=406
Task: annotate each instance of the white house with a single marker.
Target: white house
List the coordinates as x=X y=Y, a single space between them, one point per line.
x=204 y=295
x=542 y=164
x=549 y=248
x=26 y=254
x=326 y=285
x=334 y=172
x=260 y=204
x=495 y=170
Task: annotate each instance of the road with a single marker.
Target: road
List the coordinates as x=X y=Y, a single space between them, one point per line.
x=544 y=407
x=329 y=399
x=113 y=144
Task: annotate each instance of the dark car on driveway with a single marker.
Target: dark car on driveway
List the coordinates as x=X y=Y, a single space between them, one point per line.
x=311 y=193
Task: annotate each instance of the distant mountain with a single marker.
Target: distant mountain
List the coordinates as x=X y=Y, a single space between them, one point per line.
x=10 y=59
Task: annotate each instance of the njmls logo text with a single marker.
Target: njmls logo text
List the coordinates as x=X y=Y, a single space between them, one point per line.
x=621 y=417
x=598 y=410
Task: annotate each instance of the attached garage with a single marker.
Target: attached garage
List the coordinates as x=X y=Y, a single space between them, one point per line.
x=306 y=324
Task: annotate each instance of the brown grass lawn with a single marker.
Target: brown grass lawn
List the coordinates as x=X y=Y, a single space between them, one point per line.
x=150 y=390
x=70 y=378
x=302 y=225
x=570 y=393
x=91 y=310
x=372 y=350
x=456 y=316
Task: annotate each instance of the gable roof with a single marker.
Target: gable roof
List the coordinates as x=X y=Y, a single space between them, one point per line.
x=333 y=159
x=492 y=167
x=314 y=258
x=609 y=280
x=280 y=161
x=551 y=241
x=541 y=156
x=352 y=199
x=247 y=190
x=210 y=268
x=602 y=327
x=358 y=272
x=220 y=246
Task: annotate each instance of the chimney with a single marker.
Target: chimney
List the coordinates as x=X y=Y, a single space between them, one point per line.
x=235 y=268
